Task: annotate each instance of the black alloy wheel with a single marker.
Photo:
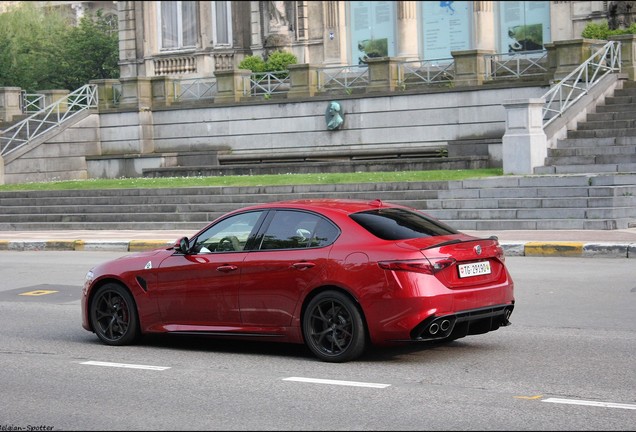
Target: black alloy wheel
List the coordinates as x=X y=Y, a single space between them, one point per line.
x=333 y=327
x=113 y=315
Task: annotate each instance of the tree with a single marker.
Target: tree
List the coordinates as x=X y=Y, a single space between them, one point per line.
x=91 y=51
x=30 y=46
x=41 y=50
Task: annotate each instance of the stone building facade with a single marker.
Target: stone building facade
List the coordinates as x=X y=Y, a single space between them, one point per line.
x=194 y=39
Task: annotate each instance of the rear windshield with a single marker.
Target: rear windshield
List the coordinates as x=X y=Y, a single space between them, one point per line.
x=400 y=224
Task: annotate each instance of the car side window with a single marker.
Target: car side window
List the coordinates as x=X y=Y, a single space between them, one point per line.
x=290 y=229
x=229 y=235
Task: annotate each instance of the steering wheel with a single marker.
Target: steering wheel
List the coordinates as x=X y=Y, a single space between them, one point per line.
x=228 y=244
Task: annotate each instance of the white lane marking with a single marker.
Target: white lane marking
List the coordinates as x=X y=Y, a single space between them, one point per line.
x=590 y=403
x=124 y=365
x=336 y=382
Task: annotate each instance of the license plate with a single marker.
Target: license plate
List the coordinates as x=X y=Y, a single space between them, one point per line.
x=474 y=269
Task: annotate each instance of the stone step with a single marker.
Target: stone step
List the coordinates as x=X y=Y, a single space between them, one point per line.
x=592 y=151
x=591 y=159
x=602 y=133
x=533 y=213
x=616 y=108
x=531 y=203
x=597 y=168
x=542 y=224
x=604 y=124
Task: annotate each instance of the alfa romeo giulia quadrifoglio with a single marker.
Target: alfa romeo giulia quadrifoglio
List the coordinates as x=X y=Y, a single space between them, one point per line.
x=336 y=275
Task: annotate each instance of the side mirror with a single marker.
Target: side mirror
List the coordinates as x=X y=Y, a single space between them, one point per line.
x=184 y=245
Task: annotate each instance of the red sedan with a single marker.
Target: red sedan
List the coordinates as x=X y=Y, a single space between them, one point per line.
x=336 y=275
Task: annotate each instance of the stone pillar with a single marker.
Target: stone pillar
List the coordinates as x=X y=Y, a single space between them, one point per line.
x=552 y=59
x=10 y=103
x=383 y=74
x=127 y=13
x=304 y=80
x=54 y=96
x=571 y=53
x=1 y=170
x=524 y=145
x=106 y=92
x=335 y=33
x=407 y=30
x=484 y=18
x=231 y=85
x=162 y=89
x=136 y=93
x=628 y=53
x=470 y=67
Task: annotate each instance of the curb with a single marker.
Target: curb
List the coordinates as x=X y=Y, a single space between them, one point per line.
x=511 y=248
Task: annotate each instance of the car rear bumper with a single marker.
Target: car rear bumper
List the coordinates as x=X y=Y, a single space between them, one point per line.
x=460 y=324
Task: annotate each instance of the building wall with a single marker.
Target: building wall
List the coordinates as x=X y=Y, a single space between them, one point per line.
x=317 y=32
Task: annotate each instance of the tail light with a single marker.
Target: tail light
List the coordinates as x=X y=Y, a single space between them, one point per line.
x=430 y=266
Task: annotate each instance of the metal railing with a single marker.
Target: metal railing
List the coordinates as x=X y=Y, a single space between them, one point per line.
x=48 y=118
x=342 y=77
x=435 y=71
x=578 y=83
x=31 y=102
x=194 y=89
x=507 y=65
x=267 y=83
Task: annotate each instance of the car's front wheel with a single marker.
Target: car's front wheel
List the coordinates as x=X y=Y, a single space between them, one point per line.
x=113 y=315
x=333 y=327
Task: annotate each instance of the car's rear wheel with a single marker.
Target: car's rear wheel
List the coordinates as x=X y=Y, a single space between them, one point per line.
x=333 y=327
x=113 y=315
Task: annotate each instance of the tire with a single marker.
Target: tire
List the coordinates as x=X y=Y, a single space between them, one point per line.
x=333 y=328
x=113 y=315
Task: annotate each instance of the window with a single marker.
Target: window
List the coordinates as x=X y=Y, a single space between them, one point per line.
x=228 y=235
x=398 y=224
x=372 y=30
x=222 y=23
x=523 y=25
x=295 y=230
x=178 y=24
x=446 y=27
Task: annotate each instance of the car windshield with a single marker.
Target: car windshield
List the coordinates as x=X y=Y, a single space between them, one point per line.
x=400 y=224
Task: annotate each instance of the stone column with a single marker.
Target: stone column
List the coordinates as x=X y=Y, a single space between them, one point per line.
x=1 y=170
x=383 y=74
x=54 y=96
x=162 y=89
x=470 y=67
x=304 y=80
x=524 y=145
x=127 y=12
x=628 y=53
x=232 y=85
x=106 y=92
x=136 y=93
x=335 y=33
x=484 y=18
x=571 y=53
x=407 y=30
x=10 y=103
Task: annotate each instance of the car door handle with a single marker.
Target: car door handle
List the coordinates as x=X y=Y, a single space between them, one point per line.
x=227 y=268
x=303 y=265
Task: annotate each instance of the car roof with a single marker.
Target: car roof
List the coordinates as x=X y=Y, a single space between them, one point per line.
x=346 y=206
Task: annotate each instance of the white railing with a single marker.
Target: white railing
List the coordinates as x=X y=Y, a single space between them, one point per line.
x=194 y=89
x=507 y=65
x=343 y=77
x=48 y=118
x=31 y=102
x=267 y=83
x=433 y=71
x=578 y=83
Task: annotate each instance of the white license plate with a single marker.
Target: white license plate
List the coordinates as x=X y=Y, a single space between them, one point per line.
x=474 y=269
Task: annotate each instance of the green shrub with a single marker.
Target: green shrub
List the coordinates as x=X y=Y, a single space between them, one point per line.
x=279 y=60
x=253 y=63
x=602 y=31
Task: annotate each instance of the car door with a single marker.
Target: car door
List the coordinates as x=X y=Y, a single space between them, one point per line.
x=290 y=257
x=201 y=288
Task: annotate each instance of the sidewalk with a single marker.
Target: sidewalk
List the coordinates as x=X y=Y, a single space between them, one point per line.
x=571 y=243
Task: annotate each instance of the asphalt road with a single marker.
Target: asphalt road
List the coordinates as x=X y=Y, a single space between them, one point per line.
x=566 y=363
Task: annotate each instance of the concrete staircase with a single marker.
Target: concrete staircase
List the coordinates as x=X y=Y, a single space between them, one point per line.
x=575 y=201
